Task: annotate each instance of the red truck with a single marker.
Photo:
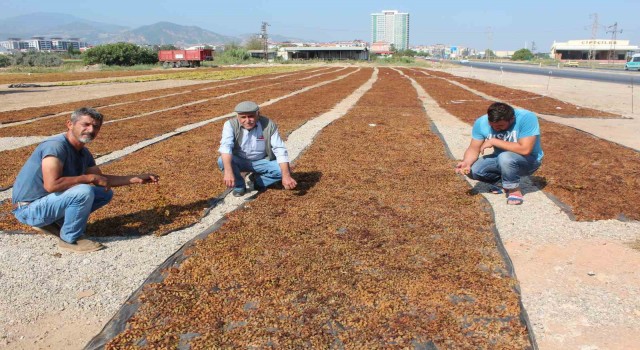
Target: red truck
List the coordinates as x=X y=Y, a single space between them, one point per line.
x=184 y=58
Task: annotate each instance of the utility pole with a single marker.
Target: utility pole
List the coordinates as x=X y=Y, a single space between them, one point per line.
x=264 y=37
x=594 y=36
x=533 y=47
x=614 y=32
x=490 y=36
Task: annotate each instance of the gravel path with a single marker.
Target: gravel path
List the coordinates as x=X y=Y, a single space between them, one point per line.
x=50 y=292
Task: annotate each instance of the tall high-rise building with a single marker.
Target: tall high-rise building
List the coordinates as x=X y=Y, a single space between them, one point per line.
x=391 y=27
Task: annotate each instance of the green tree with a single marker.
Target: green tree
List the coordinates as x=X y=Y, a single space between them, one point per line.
x=522 y=55
x=542 y=55
x=165 y=47
x=73 y=52
x=488 y=53
x=120 y=54
x=233 y=54
x=254 y=43
x=406 y=53
x=5 y=61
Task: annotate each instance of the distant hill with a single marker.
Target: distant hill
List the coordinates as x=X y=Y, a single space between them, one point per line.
x=56 y=24
x=170 y=33
x=68 y=26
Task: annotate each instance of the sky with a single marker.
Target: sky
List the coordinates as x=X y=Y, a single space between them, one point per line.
x=494 y=24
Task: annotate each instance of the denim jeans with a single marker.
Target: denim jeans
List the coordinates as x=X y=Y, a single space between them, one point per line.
x=507 y=167
x=70 y=209
x=268 y=171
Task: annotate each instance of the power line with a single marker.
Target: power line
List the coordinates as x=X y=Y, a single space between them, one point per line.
x=264 y=36
x=614 y=32
x=594 y=34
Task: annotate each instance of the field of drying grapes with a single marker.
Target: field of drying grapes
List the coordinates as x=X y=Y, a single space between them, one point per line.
x=380 y=246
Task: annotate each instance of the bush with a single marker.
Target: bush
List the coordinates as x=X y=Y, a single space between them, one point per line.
x=5 y=61
x=393 y=59
x=522 y=55
x=36 y=59
x=120 y=54
x=233 y=55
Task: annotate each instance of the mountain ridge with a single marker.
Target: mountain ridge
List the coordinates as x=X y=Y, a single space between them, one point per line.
x=50 y=24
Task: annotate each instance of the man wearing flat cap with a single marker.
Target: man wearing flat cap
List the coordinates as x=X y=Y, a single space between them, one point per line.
x=251 y=143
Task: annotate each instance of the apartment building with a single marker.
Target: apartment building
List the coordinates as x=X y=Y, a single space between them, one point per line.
x=38 y=43
x=392 y=27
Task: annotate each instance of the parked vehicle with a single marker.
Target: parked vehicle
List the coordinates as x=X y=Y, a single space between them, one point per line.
x=184 y=58
x=633 y=63
x=571 y=64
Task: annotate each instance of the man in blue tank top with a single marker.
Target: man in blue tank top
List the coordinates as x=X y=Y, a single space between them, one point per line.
x=60 y=184
x=514 y=136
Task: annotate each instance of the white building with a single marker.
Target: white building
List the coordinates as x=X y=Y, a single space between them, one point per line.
x=392 y=27
x=39 y=43
x=596 y=49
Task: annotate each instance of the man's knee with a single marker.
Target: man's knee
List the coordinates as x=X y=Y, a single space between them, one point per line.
x=105 y=196
x=81 y=193
x=509 y=159
x=478 y=169
x=275 y=170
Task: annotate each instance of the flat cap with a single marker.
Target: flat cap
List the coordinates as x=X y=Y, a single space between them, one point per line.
x=247 y=107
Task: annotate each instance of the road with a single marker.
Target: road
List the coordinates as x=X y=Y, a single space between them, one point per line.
x=610 y=76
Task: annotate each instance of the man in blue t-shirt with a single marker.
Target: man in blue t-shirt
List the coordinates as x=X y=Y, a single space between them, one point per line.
x=60 y=184
x=515 y=138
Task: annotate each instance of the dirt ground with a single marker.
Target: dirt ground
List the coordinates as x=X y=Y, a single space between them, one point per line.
x=596 y=263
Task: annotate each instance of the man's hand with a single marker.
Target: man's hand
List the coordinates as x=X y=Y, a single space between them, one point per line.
x=229 y=179
x=288 y=182
x=463 y=168
x=145 y=179
x=486 y=144
x=99 y=180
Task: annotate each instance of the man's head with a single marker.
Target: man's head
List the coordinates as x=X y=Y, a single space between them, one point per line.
x=247 y=113
x=500 y=116
x=84 y=124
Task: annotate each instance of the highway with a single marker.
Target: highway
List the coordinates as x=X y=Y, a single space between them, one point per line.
x=604 y=75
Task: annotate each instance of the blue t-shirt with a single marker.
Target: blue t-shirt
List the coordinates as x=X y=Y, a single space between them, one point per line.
x=526 y=124
x=29 y=184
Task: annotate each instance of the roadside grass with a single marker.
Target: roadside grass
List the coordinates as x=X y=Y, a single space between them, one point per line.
x=635 y=245
x=67 y=66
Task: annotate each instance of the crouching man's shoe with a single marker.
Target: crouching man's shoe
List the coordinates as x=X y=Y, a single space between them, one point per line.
x=239 y=192
x=52 y=229
x=80 y=246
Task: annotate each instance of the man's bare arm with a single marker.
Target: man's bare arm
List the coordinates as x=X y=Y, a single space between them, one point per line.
x=470 y=157
x=117 y=180
x=54 y=181
x=523 y=147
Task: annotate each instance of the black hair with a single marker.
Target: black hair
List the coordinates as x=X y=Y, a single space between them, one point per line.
x=500 y=111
